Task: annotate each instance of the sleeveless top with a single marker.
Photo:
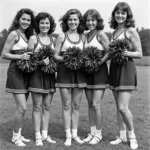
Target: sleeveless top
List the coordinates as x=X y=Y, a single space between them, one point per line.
x=94 y=42
x=122 y=35
x=21 y=43
x=68 y=43
x=40 y=44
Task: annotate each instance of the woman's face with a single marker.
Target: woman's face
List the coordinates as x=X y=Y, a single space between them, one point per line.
x=44 y=25
x=73 y=22
x=24 y=21
x=91 y=22
x=120 y=16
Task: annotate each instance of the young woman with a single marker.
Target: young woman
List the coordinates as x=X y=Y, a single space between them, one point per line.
x=98 y=81
x=70 y=83
x=17 y=81
x=42 y=85
x=123 y=78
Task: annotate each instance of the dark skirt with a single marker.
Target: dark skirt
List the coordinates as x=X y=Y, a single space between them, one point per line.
x=123 y=77
x=69 y=78
x=17 y=81
x=98 y=80
x=40 y=82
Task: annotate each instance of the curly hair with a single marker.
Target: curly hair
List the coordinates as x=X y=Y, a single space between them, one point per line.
x=44 y=15
x=126 y=8
x=64 y=21
x=15 y=23
x=96 y=15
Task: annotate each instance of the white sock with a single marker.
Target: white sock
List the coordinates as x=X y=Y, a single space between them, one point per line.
x=44 y=134
x=74 y=133
x=123 y=134
x=37 y=135
x=68 y=133
x=93 y=130
x=16 y=135
x=131 y=134
x=20 y=129
x=99 y=132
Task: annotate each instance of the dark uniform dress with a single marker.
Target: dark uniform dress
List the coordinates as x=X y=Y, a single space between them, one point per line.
x=100 y=79
x=40 y=82
x=123 y=77
x=69 y=78
x=17 y=81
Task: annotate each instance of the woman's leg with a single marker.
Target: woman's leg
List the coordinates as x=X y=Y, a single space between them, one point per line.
x=75 y=103
x=66 y=107
x=97 y=100
x=122 y=127
x=91 y=112
x=36 y=115
x=20 y=100
x=123 y=106
x=47 y=98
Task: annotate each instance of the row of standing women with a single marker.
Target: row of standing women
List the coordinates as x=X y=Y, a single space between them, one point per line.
x=122 y=79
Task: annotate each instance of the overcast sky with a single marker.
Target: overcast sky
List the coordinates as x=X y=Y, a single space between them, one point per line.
x=57 y=8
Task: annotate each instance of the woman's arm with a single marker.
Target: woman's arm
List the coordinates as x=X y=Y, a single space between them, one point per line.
x=11 y=39
x=136 y=44
x=58 y=46
x=105 y=42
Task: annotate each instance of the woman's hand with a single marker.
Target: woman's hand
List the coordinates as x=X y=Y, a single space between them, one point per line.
x=25 y=56
x=44 y=61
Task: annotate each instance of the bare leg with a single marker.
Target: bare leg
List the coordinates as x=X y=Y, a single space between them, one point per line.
x=91 y=113
x=123 y=103
x=36 y=114
x=20 y=100
x=47 y=98
x=66 y=106
x=121 y=123
x=76 y=99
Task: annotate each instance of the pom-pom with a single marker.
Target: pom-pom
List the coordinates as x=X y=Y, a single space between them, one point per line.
x=92 y=59
x=73 y=58
x=43 y=53
x=28 y=65
x=116 y=49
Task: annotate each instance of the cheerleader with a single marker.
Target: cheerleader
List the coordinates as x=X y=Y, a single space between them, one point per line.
x=42 y=85
x=17 y=81
x=123 y=78
x=70 y=82
x=98 y=81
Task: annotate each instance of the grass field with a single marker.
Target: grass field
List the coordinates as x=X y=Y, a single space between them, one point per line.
x=139 y=105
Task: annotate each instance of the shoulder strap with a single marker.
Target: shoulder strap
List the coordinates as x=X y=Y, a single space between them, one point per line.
x=18 y=36
x=37 y=37
x=126 y=35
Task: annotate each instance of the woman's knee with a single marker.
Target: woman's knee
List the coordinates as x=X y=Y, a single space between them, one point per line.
x=37 y=108
x=22 y=110
x=96 y=106
x=66 y=106
x=76 y=106
x=46 y=107
x=123 y=110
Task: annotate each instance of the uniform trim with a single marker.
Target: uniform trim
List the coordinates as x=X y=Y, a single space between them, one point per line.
x=124 y=88
x=37 y=90
x=82 y=85
x=104 y=86
x=16 y=91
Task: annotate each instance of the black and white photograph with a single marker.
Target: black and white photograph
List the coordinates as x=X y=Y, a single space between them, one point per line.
x=74 y=75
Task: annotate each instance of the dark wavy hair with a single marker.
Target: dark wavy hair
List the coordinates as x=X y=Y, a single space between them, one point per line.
x=126 y=8
x=44 y=15
x=64 y=20
x=96 y=15
x=15 y=23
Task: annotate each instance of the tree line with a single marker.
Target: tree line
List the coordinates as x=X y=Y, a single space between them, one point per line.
x=143 y=33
